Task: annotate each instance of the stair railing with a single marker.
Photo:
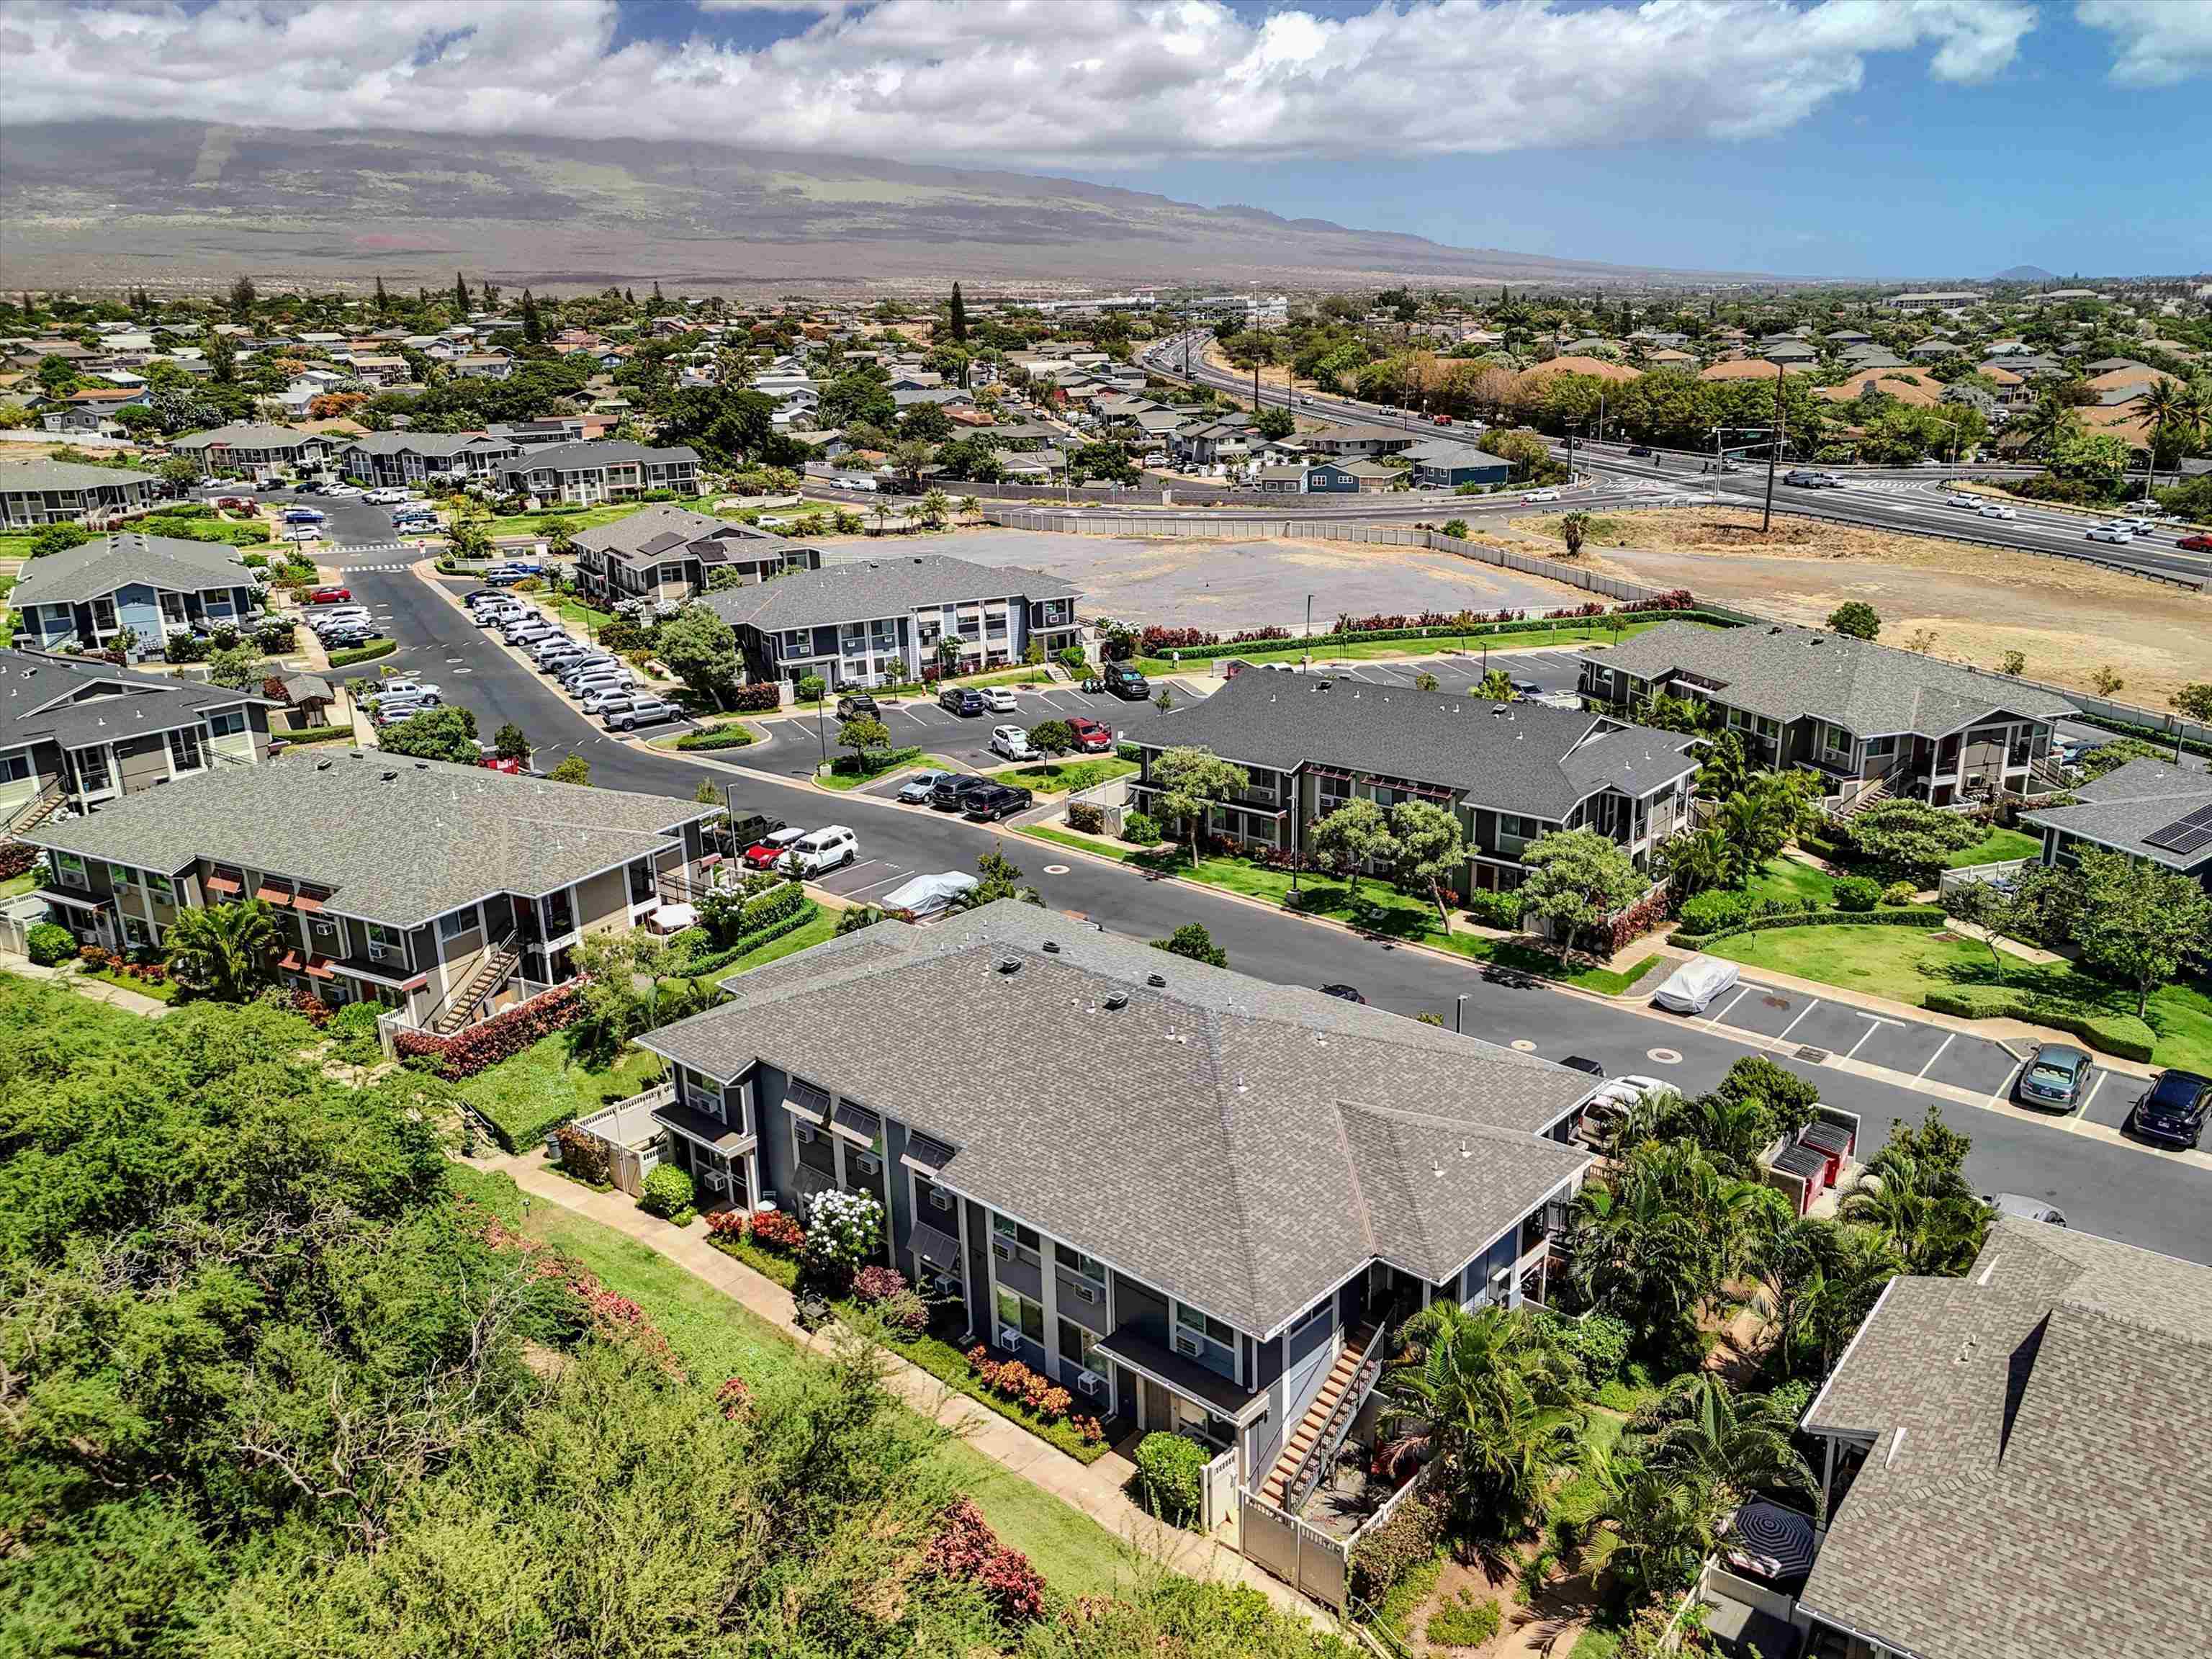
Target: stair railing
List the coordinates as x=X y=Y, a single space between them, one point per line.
x=1338 y=1424
x=490 y=982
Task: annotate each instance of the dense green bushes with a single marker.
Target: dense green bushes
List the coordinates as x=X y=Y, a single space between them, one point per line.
x=2120 y=1034
x=718 y=737
x=1858 y=893
x=1495 y=909
x=1393 y=1549
x=1170 y=1478
x=669 y=1192
x=1141 y=829
x=1913 y=915
x=368 y=653
x=49 y=944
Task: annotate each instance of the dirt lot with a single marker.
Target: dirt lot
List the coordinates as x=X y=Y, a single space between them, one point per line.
x=1227 y=585
x=1978 y=602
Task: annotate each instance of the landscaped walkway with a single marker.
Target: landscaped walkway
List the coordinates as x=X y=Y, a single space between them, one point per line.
x=99 y=990
x=1095 y=1488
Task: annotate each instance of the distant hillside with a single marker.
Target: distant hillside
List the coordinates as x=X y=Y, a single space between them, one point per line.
x=115 y=203
x=2025 y=273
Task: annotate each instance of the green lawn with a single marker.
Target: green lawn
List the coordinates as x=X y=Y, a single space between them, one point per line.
x=524 y=1097
x=1996 y=848
x=844 y=772
x=823 y=926
x=16 y=886
x=577 y=614
x=1787 y=878
x=1906 y=962
x=1382 y=650
x=1060 y=777
x=581 y=517
x=715 y=1338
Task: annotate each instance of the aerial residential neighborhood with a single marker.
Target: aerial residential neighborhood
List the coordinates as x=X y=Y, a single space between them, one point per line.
x=1230 y=832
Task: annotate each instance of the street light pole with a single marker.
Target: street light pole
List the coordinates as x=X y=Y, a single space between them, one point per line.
x=1773 y=451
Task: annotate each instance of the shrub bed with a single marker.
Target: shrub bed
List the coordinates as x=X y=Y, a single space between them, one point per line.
x=759 y=698
x=368 y=653
x=1906 y=915
x=16 y=859
x=670 y=1194
x=748 y=943
x=1447 y=630
x=2121 y=1034
x=965 y=1548
x=1389 y=1552
x=502 y=1036
x=1170 y=1478
x=49 y=944
x=721 y=737
x=315 y=734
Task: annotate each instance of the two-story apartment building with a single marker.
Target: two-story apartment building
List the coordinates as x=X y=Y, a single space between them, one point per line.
x=152 y=586
x=882 y=621
x=1862 y=713
x=33 y=493
x=388 y=458
x=1224 y=1182
x=607 y=470
x=2011 y=1463
x=77 y=732
x=254 y=450
x=450 y=888
x=1509 y=772
x=667 y=553
x=2150 y=810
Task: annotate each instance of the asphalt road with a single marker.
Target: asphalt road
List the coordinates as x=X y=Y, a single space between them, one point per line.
x=2148 y=1198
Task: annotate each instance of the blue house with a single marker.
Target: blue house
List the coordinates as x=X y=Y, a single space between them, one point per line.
x=152 y=586
x=1442 y=464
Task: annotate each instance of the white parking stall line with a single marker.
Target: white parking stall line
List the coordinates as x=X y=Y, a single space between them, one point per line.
x=915 y=717
x=1733 y=1000
x=2003 y=1090
x=855 y=892
x=1874 y=1022
x=2083 y=1109
x=1782 y=1035
x=1937 y=1056
x=854 y=870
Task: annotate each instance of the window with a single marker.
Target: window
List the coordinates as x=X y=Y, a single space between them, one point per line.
x=641 y=885
x=14 y=767
x=1191 y=1319
x=135 y=933
x=1014 y=1233
x=385 y=941
x=186 y=754
x=1075 y=1345
x=226 y=723
x=1880 y=748
x=453 y=926
x=69 y=868
x=1016 y=1312
x=122 y=875
x=1082 y=1266
x=159 y=889
x=1838 y=740
x=1305 y=1321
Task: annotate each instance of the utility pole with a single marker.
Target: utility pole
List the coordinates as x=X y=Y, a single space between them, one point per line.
x=1773 y=452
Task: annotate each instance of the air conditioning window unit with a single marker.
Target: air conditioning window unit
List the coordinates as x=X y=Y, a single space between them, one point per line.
x=1010 y=1336
x=804 y=1133
x=939 y=1200
x=941 y=1285
x=1088 y=1384
x=869 y=1164
x=1001 y=1250
x=1188 y=1345
x=1088 y=1293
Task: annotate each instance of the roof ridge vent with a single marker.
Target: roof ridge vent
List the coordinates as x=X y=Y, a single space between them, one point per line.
x=1157 y=982
x=1051 y=947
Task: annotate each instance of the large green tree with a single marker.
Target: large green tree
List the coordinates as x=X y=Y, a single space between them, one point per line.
x=700 y=650
x=1577 y=878
x=1187 y=779
x=224 y=953
x=2138 y=923
x=443 y=734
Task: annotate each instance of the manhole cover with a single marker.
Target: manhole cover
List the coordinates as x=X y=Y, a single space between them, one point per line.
x=1525 y=1045
x=1814 y=1054
x=1055 y=869
x=1664 y=1056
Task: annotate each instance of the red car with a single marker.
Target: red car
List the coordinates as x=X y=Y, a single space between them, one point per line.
x=1091 y=737
x=329 y=596
x=764 y=853
x=2195 y=544
x=235 y=503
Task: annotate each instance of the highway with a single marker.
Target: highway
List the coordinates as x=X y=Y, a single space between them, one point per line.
x=2105 y=1184
x=1909 y=500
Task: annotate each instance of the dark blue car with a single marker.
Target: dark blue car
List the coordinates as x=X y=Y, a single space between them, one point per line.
x=2172 y=1110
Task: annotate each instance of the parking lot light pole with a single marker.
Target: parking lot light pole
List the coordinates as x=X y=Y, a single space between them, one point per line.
x=1459 y=1008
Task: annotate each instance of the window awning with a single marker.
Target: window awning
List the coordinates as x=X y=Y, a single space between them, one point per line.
x=354 y=970
x=926 y=1153
x=53 y=897
x=268 y=895
x=857 y=1124
x=803 y=1099
x=1206 y=1389
x=937 y=1249
x=698 y=1128
x=306 y=902
x=221 y=885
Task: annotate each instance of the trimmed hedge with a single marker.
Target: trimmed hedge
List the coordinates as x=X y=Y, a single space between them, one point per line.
x=1913 y=915
x=368 y=653
x=1170 y=1478
x=315 y=734
x=761 y=697
x=502 y=1036
x=49 y=945
x=2116 y=1034
x=724 y=737
x=1473 y=631
x=750 y=942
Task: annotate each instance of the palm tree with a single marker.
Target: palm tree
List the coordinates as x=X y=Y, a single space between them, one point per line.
x=2162 y=403
x=1853 y=1264
x=223 y=952
x=1727 y=769
x=935 y=505
x=1739 y=1442
x=1929 y=1218
x=1657 y=1530
x=2046 y=422
x=1485 y=1399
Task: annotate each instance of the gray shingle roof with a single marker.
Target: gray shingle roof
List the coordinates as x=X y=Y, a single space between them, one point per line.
x=2041 y=1472
x=1787 y=674
x=658 y=529
x=62 y=475
x=398 y=840
x=598 y=452
x=442 y=445
x=2131 y=801
x=248 y=435
x=107 y=562
x=66 y=700
x=869 y=588
x=1216 y=1136
x=1521 y=756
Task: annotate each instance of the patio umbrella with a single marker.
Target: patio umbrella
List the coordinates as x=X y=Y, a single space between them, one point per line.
x=1773 y=1542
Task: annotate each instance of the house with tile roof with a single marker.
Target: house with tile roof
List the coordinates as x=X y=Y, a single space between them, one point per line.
x=2018 y=1462
x=897 y=619
x=666 y=554
x=149 y=587
x=1511 y=772
x=451 y=891
x=1870 y=717
x=1236 y=1184
x=77 y=732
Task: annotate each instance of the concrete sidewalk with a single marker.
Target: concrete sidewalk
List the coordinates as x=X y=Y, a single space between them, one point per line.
x=96 y=990
x=1095 y=1488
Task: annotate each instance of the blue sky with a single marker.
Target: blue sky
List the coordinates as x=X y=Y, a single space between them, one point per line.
x=1868 y=139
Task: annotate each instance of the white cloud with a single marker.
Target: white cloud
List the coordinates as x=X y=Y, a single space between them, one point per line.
x=2161 y=43
x=1015 y=83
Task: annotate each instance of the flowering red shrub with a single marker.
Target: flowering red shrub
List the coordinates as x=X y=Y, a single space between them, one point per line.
x=878 y=1283
x=1093 y=1431
x=759 y=698
x=1151 y=641
x=311 y=1008
x=734 y=1398
x=965 y=1548
x=777 y=1230
x=502 y=1036
x=1637 y=920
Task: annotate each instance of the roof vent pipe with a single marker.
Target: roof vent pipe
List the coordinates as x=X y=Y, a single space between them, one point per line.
x=1052 y=947
x=1157 y=982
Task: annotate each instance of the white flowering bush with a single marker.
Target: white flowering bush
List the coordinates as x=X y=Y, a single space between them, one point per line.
x=844 y=1233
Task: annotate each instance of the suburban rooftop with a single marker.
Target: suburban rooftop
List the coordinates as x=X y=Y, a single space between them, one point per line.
x=107 y=562
x=74 y=700
x=1242 y=1144
x=889 y=586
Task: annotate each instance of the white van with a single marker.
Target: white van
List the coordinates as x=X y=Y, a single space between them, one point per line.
x=1690 y=988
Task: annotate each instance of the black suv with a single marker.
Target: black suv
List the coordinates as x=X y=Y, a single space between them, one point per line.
x=1126 y=683
x=950 y=794
x=995 y=800
x=963 y=700
x=854 y=703
x=2172 y=1110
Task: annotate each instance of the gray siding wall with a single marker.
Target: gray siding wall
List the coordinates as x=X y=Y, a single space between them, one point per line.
x=773 y=1125
x=1072 y=1306
x=900 y=1213
x=982 y=1317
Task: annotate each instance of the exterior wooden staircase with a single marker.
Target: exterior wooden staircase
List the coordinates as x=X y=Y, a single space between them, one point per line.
x=37 y=810
x=1324 y=1422
x=497 y=967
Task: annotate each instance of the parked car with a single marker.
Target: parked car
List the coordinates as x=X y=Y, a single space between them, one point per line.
x=346 y=639
x=1582 y=1063
x=818 y=851
x=329 y=595
x=1343 y=993
x=1526 y=690
x=771 y=846
x=962 y=700
x=339 y=615
x=2111 y=532
x=400 y=686
x=643 y=711
x=995 y=800
x=390 y=497
x=303 y=515
x=856 y=704
x=1091 y=737
x=2055 y=1075
x=301 y=532
x=2026 y=1208
x=586 y=668
x=999 y=700
x=1124 y=682
x=526 y=628
x=1690 y=988
x=1012 y=742
x=919 y=786
x=602 y=700
x=2172 y=1110
x=495 y=763
x=950 y=794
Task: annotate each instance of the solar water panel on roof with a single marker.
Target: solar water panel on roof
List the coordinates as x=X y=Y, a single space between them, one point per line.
x=2189 y=835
